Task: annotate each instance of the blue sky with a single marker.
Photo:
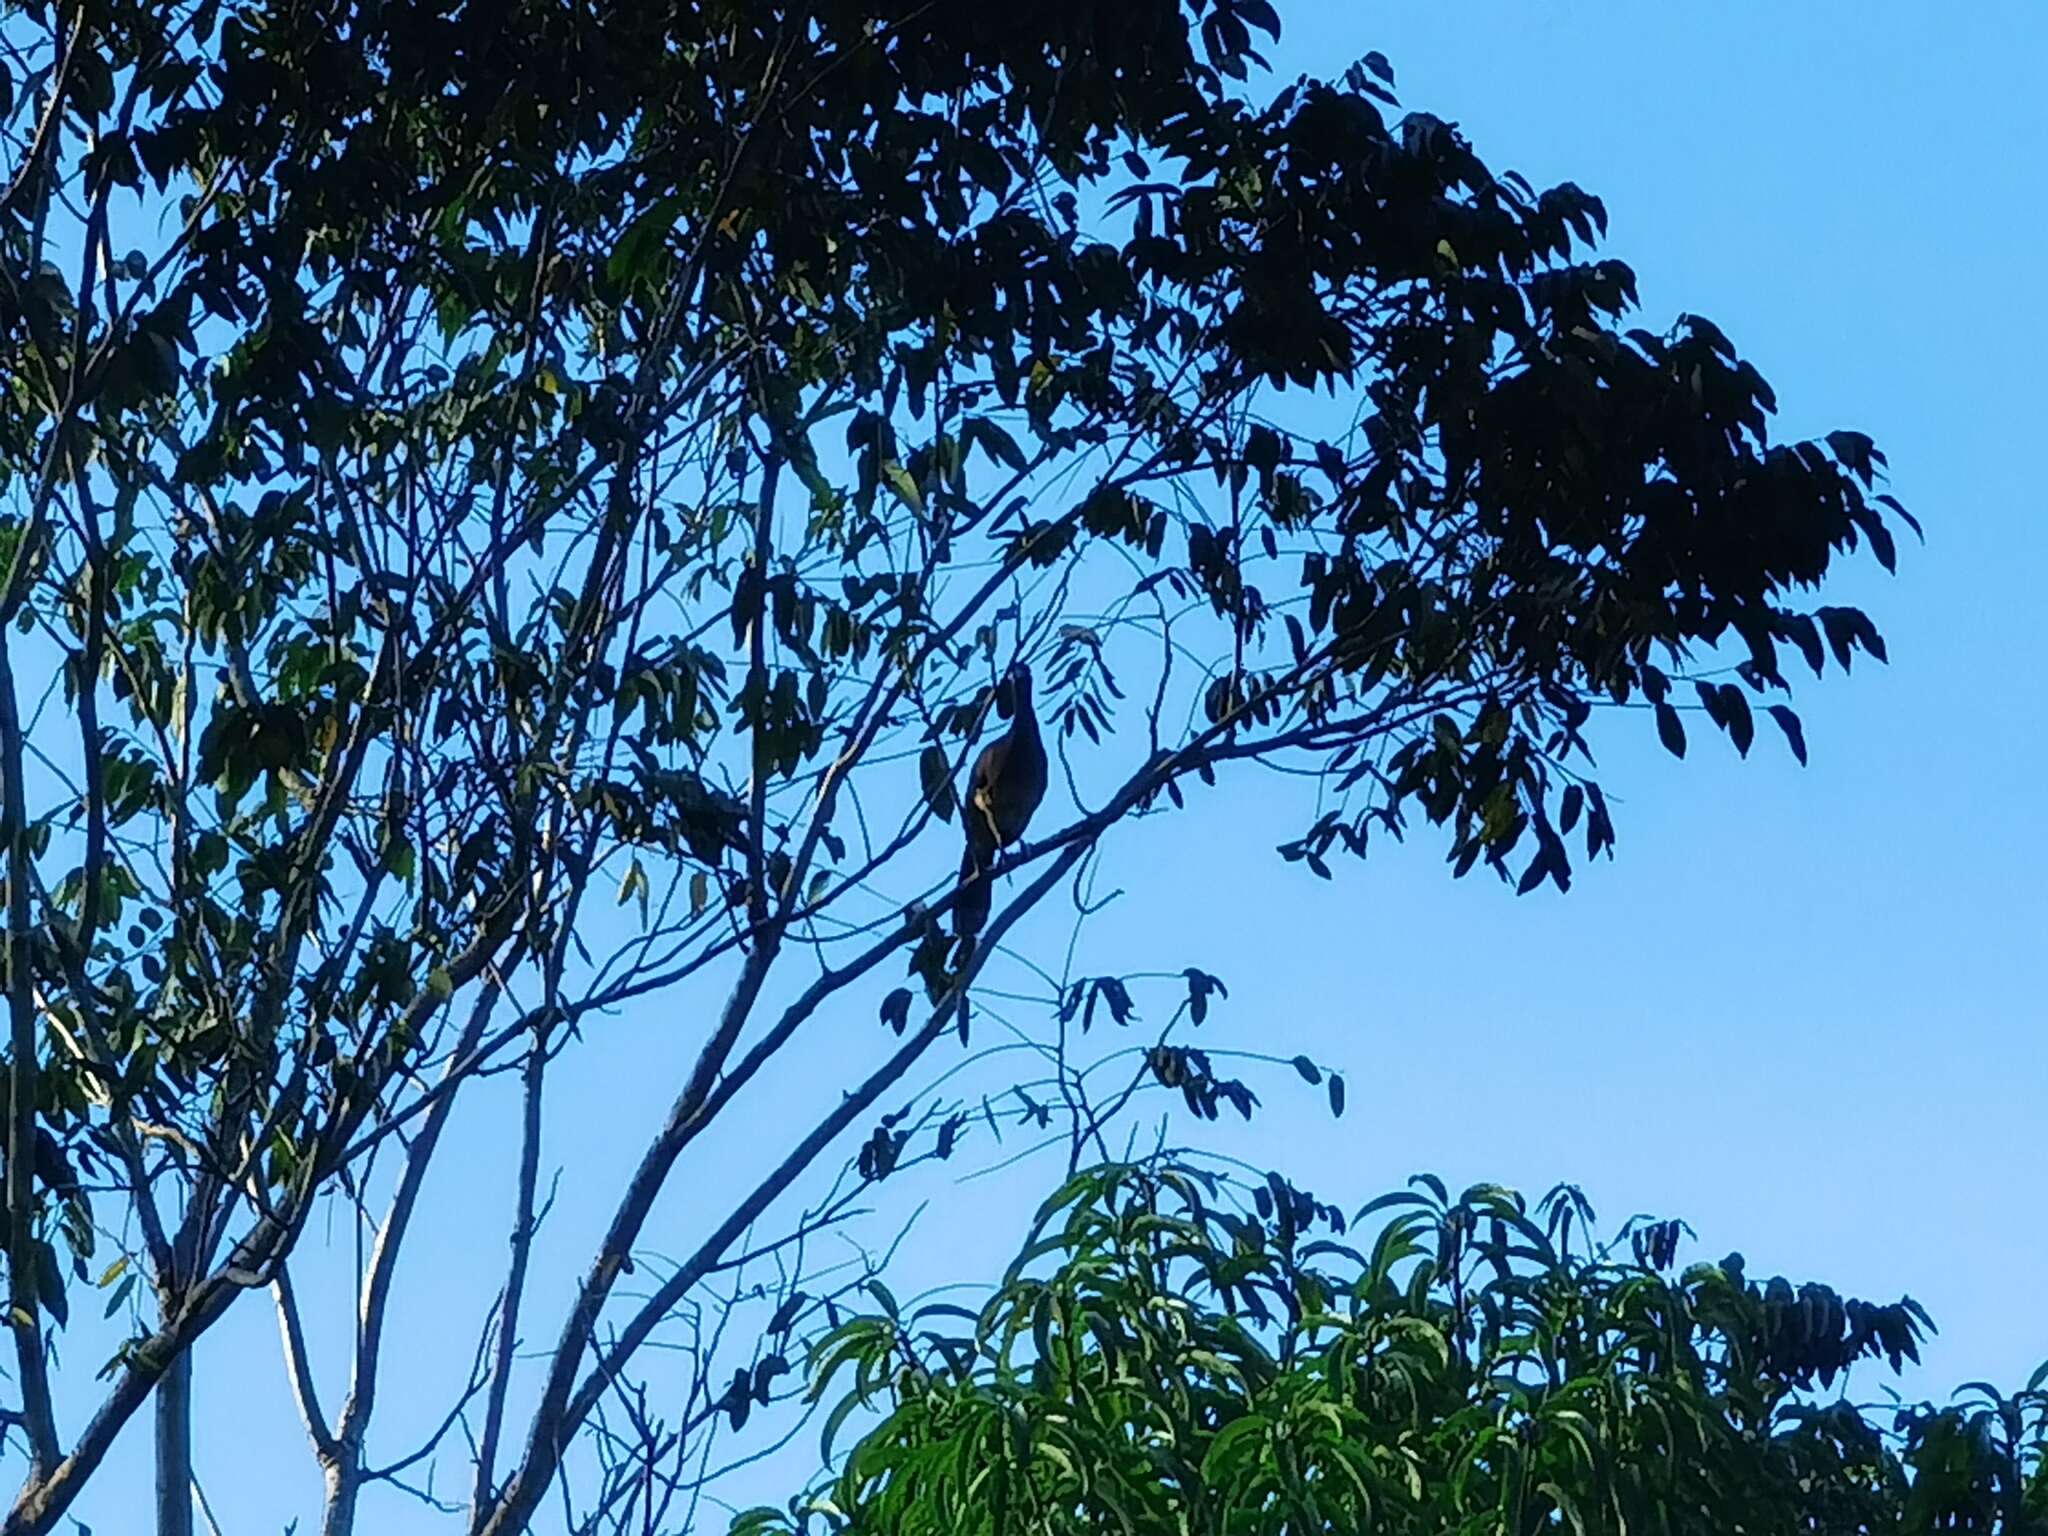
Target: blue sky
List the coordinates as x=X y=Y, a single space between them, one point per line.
x=1802 y=1009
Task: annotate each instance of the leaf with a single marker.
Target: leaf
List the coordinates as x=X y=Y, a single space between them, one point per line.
x=1118 y=997
x=896 y=1009
x=1260 y=13
x=1336 y=1095
x=766 y=1370
x=840 y=1412
x=1837 y=624
x=1795 y=734
x=936 y=774
x=994 y=441
x=786 y=1315
x=50 y=1285
x=635 y=880
x=1566 y=1506
x=904 y=484
x=440 y=983
x=120 y=1295
x=1908 y=518
x=1736 y=719
x=635 y=253
x=739 y=1399
x=1670 y=730
x=1310 y=1072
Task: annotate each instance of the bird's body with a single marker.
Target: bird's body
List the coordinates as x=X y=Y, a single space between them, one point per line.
x=1003 y=793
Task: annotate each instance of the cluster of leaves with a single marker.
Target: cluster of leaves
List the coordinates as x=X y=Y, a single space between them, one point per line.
x=1159 y=1359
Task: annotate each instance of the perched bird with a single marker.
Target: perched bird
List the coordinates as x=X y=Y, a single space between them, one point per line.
x=1003 y=792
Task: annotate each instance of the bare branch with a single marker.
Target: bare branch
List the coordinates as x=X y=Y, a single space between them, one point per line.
x=560 y=1414
x=512 y=1302
x=299 y=1365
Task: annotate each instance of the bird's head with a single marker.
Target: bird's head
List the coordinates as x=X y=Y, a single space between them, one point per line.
x=1014 y=690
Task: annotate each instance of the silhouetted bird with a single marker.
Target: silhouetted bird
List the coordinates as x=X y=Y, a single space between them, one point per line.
x=1003 y=792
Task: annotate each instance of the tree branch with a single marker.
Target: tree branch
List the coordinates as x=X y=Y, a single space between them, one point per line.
x=43 y=1500
x=299 y=1366
x=757 y=688
x=362 y=1393
x=560 y=1414
x=38 y=1415
x=509 y=1309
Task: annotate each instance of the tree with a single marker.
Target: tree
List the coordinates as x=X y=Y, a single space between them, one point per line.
x=1169 y=1355
x=466 y=463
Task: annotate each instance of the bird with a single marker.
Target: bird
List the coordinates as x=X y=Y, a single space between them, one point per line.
x=1003 y=793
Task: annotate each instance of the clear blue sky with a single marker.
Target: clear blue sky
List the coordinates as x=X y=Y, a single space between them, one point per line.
x=1803 y=1009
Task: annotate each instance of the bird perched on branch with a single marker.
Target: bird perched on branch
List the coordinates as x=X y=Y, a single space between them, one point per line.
x=1003 y=793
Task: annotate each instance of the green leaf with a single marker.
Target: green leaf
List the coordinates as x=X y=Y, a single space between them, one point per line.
x=1566 y=1506
x=641 y=245
x=838 y=1416
x=120 y=1295
x=904 y=485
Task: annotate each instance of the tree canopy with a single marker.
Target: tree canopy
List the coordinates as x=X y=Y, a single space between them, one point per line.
x=522 y=509
x=1167 y=1355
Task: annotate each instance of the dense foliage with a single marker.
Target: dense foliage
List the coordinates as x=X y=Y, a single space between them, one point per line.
x=1163 y=1360
x=522 y=507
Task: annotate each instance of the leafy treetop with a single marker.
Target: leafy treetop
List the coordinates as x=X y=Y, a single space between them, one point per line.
x=1162 y=1358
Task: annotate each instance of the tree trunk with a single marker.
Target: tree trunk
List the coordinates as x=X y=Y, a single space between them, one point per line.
x=174 y=1448
x=344 y=1478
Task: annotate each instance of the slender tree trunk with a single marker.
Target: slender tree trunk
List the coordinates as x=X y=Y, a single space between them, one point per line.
x=344 y=1481
x=174 y=1448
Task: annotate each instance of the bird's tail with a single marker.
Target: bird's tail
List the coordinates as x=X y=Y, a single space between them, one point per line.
x=970 y=910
